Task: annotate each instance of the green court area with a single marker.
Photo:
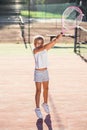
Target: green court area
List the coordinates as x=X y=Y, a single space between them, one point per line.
x=59 y=49
x=19 y=49
x=13 y=50
x=83 y=48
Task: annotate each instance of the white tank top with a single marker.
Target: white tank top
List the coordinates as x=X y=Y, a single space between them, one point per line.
x=41 y=59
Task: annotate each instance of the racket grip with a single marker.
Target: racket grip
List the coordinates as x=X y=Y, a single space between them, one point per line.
x=62 y=33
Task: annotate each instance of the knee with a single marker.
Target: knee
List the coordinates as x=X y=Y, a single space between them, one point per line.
x=46 y=89
x=38 y=91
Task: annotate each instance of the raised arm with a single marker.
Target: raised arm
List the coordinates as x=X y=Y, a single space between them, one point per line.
x=53 y=42
x=49 y=45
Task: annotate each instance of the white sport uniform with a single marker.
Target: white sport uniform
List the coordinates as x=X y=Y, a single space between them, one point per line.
x=41 y=61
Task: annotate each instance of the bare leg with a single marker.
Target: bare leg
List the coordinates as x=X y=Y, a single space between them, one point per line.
x=37 y=95
x=45 y=91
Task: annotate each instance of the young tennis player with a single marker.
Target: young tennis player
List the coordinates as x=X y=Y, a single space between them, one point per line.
x=41 y=76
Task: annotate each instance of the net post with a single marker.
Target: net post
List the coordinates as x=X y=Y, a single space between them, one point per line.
x=75 y=41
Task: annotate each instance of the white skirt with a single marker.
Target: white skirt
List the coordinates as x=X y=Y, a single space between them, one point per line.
x=41 y=76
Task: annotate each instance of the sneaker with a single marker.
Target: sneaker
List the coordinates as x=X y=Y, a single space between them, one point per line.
x=38 y=113
x=46 y=108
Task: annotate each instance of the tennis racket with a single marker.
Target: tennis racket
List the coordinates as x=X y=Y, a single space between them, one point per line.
x=71 y=18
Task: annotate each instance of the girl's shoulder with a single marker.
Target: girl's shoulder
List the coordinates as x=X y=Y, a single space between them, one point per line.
x=34 y=50
x=38 y=50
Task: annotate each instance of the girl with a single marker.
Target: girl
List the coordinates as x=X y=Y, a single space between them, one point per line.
x=41 y=76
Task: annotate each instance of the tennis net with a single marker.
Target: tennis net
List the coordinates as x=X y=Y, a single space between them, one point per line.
x=80 y=46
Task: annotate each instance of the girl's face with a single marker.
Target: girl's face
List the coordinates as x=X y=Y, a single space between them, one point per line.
x=38 y=43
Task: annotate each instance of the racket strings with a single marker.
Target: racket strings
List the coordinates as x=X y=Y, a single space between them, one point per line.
x=67 y=13
x=71 y=17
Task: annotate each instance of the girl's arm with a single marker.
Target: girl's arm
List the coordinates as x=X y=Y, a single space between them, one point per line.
x=52 y=43
x=49 y=45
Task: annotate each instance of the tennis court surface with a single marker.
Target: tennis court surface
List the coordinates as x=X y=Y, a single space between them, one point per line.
x=67 y=90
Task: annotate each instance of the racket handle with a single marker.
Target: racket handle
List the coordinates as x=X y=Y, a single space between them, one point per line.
x=58 y=36
x=62 y=33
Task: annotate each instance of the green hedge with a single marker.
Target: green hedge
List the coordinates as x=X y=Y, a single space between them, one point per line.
x=46 y=11
x=53 y=8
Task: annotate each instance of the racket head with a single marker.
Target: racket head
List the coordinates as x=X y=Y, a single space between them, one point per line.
x=71 y=17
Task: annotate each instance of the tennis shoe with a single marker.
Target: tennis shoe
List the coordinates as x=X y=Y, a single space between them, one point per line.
x=46 y=107
x=38 y=113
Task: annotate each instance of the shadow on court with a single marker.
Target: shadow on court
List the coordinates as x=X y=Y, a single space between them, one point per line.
x=82 y=57
x=39 y=124
x=81 y=53
x=60 y=125
x=47 y=121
